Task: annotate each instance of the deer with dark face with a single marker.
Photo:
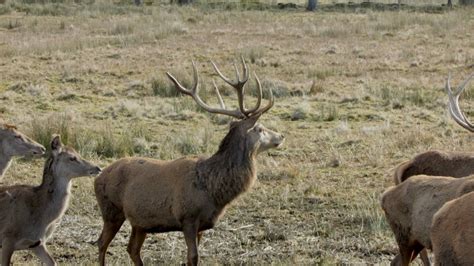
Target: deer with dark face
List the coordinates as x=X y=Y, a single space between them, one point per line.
x=29 y=215
x=188 y=194
x=410 y=206
x=14 y=143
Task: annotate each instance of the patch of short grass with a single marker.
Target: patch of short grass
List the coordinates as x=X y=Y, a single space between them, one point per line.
x=398 y=97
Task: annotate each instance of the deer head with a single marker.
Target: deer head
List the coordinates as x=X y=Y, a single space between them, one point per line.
x=257 y=137
x=15 y=143
x=67 y=163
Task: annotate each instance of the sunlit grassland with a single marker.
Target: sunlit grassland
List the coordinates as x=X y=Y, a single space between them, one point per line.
x=357 y=92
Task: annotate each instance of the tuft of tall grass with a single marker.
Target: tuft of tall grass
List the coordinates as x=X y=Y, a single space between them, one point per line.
x=279 y=88
x=100 y=141
x=398 y=97
x=369 y=216
x=327 y=112
x=120 y=28
x=252 y=53
x=164 y=88
x=187 y=143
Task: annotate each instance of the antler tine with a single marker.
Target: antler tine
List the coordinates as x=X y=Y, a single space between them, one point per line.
x=194 y=93
x=259 y=97
x=453 y=104
x=238 y=84
x=219 y=97
x=271 y=100
x=180 y=87
x=246 y=75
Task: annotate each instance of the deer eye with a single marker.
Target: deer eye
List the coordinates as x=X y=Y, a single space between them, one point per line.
x=72 y=159
x=260 y=130
x=17 y=136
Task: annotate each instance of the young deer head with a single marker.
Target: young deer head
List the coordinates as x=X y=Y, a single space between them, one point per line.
x=14 y=143
x=67 y=163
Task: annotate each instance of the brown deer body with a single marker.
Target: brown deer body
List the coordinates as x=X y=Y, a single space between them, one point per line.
x=452 y=232
x=187 y=194
x=438 y=163
x=410 y=206
x=28 y=215
x=14 y=143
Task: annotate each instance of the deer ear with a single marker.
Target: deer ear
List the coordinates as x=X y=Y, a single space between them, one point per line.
x=56 y=144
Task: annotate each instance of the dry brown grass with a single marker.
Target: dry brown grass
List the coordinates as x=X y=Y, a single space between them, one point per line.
x=368 y=92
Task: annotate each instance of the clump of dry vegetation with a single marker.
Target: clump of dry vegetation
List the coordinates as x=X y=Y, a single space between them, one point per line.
x=360 y=90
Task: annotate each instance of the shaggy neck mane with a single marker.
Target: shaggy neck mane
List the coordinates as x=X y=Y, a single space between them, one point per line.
x=230 y=171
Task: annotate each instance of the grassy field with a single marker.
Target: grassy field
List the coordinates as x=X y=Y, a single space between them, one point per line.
x=358 y=91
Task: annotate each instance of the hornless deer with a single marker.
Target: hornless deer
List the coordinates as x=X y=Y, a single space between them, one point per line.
x=29 y=215
x=14 y=143
x=406 y=206
x=452 y=231
x=187 y=194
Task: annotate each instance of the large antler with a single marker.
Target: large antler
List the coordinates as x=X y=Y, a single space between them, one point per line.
x=238 y=85
x=453 y=104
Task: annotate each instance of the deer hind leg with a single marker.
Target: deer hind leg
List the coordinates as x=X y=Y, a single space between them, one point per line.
x=113 y=218
x=191 y=237
x=407 y=254
x=42 y=252
x=424 y=257
x=109 y=231
x=397 y=261
x=7 y=251
x=135 y=244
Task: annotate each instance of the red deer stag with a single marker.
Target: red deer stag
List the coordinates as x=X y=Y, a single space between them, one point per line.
x=187 y=194
x=14 y=143
x=424 y=195
x=29 y=215
x=438 y=163
x=452 y=231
